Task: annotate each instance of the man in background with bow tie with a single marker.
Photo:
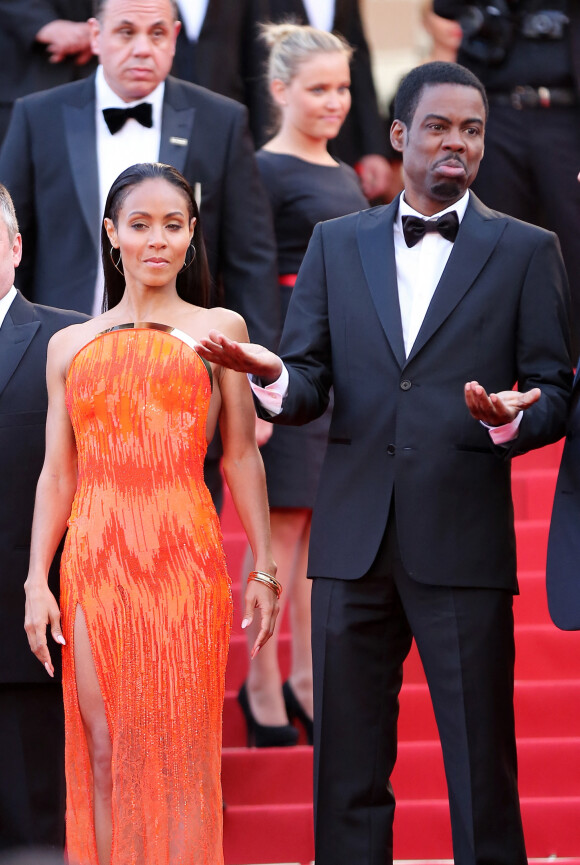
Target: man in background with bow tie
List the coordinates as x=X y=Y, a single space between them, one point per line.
x=66 y=146
x=411 y=311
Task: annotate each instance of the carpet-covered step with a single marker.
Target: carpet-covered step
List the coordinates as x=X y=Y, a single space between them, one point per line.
x=283 y=833
x=531 y=605
x=268 y=833
x=541 y=458
x=533 y=493
x=543 y=708
x=546 y=766
x=542 y=652
x=251 y=776
x=267 y=776
x=551 y=828
x=531 y=544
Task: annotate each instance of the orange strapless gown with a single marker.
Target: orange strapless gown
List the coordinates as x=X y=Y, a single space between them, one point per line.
x=144 y=561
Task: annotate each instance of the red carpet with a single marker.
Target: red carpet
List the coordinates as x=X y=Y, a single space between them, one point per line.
x=268 y=818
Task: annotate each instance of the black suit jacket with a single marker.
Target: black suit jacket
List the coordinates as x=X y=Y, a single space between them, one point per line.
x=25 y=66
x=363 y=130
x=24 y=336
x=49 y=164
x=400 y=430
x=228 y=57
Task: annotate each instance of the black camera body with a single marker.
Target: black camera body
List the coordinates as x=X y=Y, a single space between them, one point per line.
x=489 y=28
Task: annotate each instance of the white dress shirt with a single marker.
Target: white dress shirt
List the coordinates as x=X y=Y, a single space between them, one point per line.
x=192 y=13
x=133 y=143
x=320 y=13
x=419 y=269
x=5 y=303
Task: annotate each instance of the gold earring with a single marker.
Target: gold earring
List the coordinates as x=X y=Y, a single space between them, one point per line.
x=187 y=263
x=116 y=263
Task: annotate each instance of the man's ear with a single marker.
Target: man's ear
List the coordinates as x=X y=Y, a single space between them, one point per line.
x=95 y=31
x=398 y=132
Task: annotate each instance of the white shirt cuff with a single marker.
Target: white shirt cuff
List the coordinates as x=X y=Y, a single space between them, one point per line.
x=271 y=396
x=507 y=432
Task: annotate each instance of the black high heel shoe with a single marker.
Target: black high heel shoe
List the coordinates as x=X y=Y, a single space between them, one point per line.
x=295 y=709
x=262 y=735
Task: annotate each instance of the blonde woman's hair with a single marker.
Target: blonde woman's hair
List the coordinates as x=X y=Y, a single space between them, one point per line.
x=292 y=44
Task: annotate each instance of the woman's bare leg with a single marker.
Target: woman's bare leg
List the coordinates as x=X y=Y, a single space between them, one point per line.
x=92 y=710
x=300 y=623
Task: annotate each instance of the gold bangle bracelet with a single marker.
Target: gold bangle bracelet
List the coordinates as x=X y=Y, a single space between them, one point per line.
x=267 y=579
x=262 y=576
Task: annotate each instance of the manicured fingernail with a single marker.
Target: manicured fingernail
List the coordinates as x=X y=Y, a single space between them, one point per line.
x=48 y=670
x=255 y=652
x=246 y=622
x=60 y=639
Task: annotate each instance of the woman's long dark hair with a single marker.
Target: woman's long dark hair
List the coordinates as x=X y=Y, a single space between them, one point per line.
x=193 y=284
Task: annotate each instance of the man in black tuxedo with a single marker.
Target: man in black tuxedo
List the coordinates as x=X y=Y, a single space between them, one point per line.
x=43 y=43
x=412 y=531
x=32 y=794
x=218 y=47
x=527 y=54
x=361 y=139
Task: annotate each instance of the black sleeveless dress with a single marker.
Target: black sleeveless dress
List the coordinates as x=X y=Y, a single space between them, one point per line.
x=301 y=194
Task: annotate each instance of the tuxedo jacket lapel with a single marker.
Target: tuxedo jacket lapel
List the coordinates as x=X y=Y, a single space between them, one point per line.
x=16 y=334
x=176 y=127
x=478 y=235
x=377 y=250
x=81 y=137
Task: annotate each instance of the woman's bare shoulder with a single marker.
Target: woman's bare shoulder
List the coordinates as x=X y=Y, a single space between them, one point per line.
x=66 y=343
x=227 y=322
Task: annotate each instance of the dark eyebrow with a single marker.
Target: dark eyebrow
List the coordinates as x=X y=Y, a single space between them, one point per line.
x=167 y=215
x=468 y=120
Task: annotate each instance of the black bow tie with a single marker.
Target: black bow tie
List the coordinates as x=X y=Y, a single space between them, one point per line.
x=115 y=117
x=414 y=227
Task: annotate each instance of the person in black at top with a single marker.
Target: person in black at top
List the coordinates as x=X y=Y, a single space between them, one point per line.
x=527 y=54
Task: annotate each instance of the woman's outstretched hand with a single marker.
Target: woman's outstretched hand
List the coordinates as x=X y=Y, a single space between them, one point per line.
x=240 y=356
x=42 y=610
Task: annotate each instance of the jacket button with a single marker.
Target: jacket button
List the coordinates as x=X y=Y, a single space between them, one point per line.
x=405 y=384
x=391 y=450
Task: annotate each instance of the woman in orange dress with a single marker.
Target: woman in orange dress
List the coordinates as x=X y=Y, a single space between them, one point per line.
x=146 y=600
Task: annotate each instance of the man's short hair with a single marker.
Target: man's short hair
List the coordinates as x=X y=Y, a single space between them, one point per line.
x=99 y=6
x=428 y=75
x=7 y=213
